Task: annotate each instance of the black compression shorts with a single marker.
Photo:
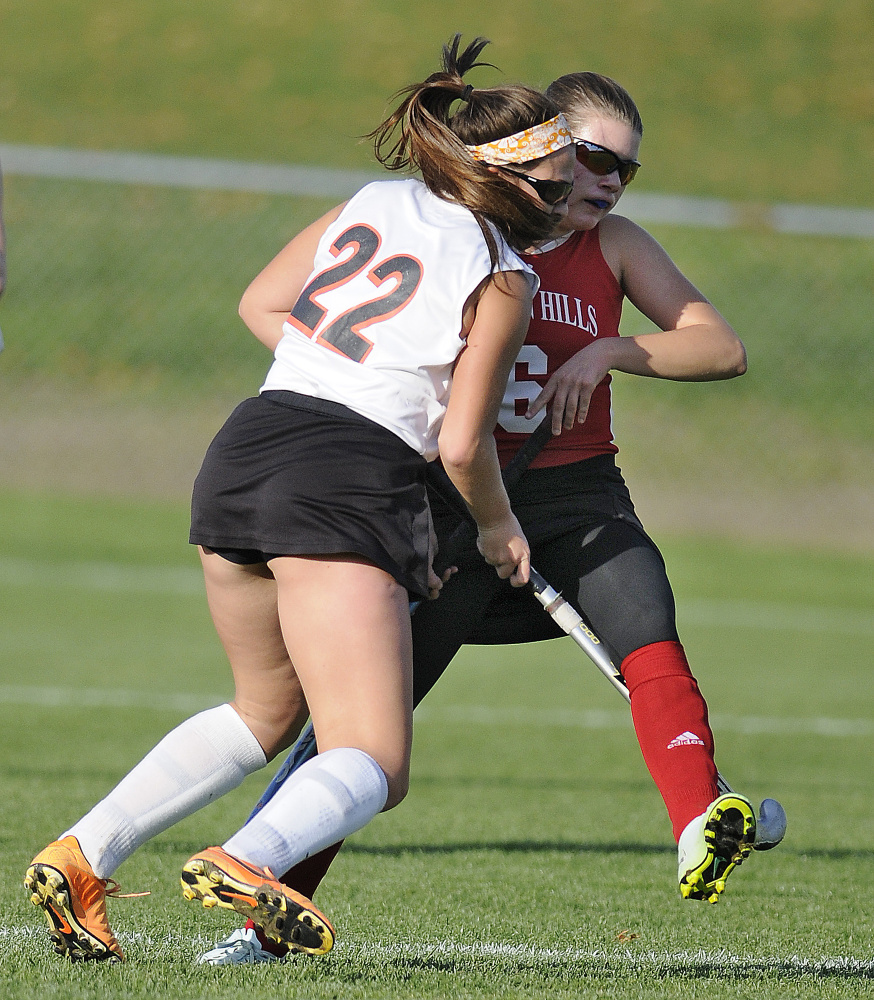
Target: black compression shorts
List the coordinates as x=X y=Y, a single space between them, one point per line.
x=588 y=543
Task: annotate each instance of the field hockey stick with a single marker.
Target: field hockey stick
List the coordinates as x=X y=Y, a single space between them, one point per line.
x=305 y=747
x=771 y=825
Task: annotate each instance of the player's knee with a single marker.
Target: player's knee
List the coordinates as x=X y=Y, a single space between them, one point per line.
x=275 y=727
x=398 y=786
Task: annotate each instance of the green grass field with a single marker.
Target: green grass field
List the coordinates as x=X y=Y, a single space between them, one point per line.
x=760 y=101
x=533 y=856
x=133 y=289
x=146 y=307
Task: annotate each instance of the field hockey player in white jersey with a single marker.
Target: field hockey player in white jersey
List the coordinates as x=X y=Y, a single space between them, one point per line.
x=394 y=320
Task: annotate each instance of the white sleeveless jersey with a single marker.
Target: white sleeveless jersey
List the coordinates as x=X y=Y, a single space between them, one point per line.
x=377 y=326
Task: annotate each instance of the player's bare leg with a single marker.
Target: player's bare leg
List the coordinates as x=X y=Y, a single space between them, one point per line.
x=267 y=693
x=345 y=624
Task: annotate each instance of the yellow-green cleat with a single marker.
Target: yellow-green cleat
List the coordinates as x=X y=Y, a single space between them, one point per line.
x=713 y=844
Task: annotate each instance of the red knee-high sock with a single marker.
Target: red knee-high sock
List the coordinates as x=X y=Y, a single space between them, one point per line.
x=303 y=878
x=670 y=719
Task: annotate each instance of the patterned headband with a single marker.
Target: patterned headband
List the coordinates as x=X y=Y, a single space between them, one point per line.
x=530 y=144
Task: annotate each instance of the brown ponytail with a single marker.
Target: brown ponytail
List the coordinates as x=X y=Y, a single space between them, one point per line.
x=422 y=135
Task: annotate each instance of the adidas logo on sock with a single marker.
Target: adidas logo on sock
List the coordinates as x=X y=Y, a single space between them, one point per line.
x=685 y=740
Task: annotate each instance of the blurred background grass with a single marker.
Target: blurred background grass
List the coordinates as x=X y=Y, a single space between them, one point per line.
x=125 y=295
x=753 y=100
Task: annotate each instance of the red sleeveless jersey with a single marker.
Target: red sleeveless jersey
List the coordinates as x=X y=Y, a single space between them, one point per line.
x=579 y=299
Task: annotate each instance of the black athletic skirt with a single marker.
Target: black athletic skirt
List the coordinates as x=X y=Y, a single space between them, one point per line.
x=294 y=475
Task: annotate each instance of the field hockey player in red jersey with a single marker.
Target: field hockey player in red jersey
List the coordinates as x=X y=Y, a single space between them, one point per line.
x=394 y=321
x=573 y=503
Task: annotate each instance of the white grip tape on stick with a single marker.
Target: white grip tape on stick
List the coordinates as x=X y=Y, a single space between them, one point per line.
x=565 y=617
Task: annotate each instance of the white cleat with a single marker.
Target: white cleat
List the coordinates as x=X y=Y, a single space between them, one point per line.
x=241 y=947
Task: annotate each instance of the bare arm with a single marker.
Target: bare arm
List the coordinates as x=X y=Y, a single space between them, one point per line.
x=694 y=342
x=467 y=444
x=269 y=298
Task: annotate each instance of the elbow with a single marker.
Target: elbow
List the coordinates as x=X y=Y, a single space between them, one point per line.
x=457 y=460
x=730 y=360
x=253 y=316
x=250 y=306
x=244 y=309
x=457 y=452
x=739 y=361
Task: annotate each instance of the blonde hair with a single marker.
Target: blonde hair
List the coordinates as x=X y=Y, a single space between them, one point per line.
x=581 y=95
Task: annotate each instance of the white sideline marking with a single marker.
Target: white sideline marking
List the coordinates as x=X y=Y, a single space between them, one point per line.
x=487 y=715
x=475 y=715
x=81 y=697
x=175 y=581
x=231 y=175
x=768 y=615
x=183 y=171
x=624 y=958
x=718 y=961
x=188 y=581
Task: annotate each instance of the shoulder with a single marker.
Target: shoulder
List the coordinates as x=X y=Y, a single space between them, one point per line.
x=388 y=190
x=625 y=244
x=392 y=190
x=618 y=232
x=410 y=198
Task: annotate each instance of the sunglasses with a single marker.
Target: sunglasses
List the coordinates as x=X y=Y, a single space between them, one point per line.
x=549 y=192
x=602 y=161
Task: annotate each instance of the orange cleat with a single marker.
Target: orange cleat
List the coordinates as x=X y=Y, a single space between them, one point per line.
x=73 y=899
x=217 y=879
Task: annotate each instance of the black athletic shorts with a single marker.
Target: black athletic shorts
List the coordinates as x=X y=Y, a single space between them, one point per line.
x=289 y=474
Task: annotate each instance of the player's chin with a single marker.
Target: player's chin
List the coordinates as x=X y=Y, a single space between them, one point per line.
x=583 y=215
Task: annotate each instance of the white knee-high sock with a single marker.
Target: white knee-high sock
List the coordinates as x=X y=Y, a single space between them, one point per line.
x=200 y=760
x=329 y=797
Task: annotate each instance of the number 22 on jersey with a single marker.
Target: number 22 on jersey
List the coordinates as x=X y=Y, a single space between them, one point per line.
x=342 y=333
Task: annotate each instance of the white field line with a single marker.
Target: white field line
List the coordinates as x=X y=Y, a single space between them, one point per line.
x=625 y=958
x=175 y=581
x=513 y=955
x=182 y=171
x=548 y=718
x=180 y=581
x=81 y=697
x=229 y=175
x=185 y=581
x=768 y=616
x=469 y=715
